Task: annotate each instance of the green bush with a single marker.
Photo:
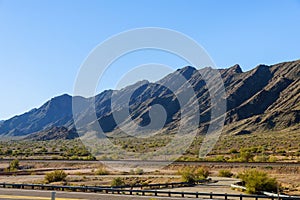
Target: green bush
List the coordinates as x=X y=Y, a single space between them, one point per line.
x=139 y=171
x=256 y=181
x=55 y=176
x=272 y=159
x=101 y=171
x=117 y=182
x=261 y=158
x=192 y=175
x=225 y=173
x=233 y=150
x=14 y=165
x=246 y=155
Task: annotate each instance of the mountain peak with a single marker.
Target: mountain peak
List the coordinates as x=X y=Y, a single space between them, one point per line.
x=236 y=68
x=186 y=68
x=63 y=96
x=187 y=71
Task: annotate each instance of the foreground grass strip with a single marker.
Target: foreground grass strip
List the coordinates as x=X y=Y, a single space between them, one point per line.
x=33 y=197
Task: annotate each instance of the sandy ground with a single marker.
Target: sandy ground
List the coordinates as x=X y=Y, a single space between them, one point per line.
x=221 y=186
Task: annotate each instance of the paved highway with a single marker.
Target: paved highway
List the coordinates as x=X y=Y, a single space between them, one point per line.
x=16 y=194
x=161 y=163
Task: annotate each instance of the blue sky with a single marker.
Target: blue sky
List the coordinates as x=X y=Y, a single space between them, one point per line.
x=43 y=43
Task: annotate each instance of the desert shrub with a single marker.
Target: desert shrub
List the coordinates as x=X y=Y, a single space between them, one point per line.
x=192 y=175
x=90 y=157
x=57 y=175
x=187 y=175
x=233 y=150
x=101 y=171
x=225 y=173
x=272 y=159
x=117 y=182
x=219 y=158
x=256 y=181
x=246 y=155
x=139 y=171
x=74 y=157
x=202 y=172
x=14 y=165
x=281 y=152
x=261 y=158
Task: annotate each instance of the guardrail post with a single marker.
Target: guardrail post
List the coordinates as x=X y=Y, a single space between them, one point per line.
x=182 y=194
x=225 y=196
x=241 y=197
x=53 y=195
x=210 y=195
x=155 y=193
x=197 y=195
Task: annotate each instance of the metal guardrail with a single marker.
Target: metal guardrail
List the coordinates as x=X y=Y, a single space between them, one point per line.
x=138 y=192
x=164 y=185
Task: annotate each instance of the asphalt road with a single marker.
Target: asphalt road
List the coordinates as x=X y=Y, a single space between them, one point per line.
x=162 y=163
x=16 y=194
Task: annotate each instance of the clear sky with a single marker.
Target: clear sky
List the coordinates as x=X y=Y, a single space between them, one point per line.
x=43 y=43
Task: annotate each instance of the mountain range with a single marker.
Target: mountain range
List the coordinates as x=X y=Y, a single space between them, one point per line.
x=266 y=98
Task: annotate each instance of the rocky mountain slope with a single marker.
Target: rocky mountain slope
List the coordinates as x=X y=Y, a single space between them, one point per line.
x=262 y=99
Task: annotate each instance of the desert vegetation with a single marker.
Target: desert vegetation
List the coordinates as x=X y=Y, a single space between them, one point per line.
x=256 y=147
x=193 y=174
x=55 y=176
x=257 y=181
x=225 y=173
